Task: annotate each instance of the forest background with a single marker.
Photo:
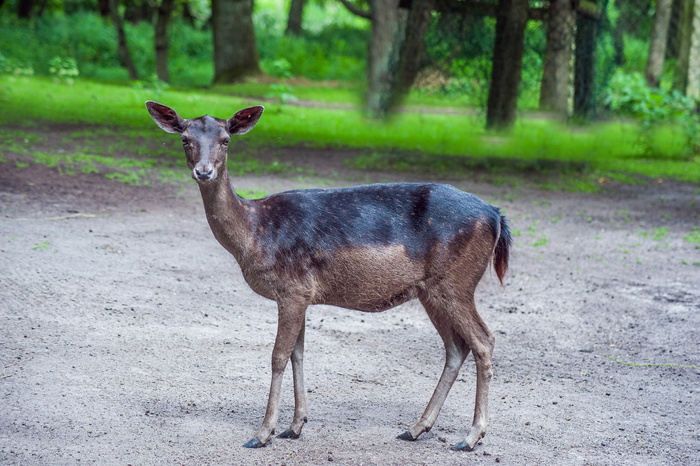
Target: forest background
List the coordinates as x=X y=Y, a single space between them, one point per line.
x=589 y=91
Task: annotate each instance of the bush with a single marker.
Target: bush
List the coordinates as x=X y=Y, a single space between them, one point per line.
x=628 y=94
x=14 y=67
x=335 y=52
x=63 y=70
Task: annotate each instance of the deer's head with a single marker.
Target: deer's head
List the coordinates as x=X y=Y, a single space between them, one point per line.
x=205 y=139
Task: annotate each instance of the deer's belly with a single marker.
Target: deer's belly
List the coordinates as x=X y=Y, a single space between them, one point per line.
x=370 y=279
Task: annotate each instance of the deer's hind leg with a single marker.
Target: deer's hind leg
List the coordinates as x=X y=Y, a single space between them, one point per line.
x=456 y=351
x=480 y=340
x=450 y=305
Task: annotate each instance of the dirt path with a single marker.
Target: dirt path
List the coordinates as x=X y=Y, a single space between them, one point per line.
x=127 y=335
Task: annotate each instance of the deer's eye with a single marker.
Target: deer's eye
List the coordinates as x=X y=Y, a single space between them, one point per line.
x=225 y=141
x=185 y=141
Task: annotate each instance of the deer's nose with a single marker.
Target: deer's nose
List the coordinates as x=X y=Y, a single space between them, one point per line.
x=203 y=173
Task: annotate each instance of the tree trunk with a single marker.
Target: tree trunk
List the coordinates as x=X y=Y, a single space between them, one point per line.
x=674 y=22
x=103 y=7
x=618 y=37
x=235 y=49
x=511 y=18
x=24 y=8
x=657 y=46
x=688 y=66
x=294 y=20
x=122 y=46
x=412 y=51
x=388 y=34
x=554 y=89
x=42 y=7
x=584 y=67
x=161 y=40
x=693 y=82
x=396 y=50
x=137 y=11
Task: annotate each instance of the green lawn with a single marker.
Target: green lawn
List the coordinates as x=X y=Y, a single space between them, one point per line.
x=433 y=141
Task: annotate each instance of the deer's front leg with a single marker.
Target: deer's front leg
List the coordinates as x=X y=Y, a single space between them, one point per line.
x=291 y=319
x=300 y=405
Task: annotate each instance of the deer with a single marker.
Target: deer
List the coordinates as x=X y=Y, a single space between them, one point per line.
x=368 y=248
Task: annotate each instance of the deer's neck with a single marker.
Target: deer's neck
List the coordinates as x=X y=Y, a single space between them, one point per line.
x=228 y=215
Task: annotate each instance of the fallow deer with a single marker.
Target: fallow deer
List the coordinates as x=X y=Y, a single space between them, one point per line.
x=368 y=248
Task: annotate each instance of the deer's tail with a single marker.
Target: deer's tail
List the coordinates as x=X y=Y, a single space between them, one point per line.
x=502 y=249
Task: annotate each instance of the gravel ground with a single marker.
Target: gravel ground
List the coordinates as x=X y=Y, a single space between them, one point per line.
x=128 y=336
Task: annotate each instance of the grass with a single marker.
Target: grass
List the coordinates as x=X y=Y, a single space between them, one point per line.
x=133 y=156
x=43 y=246
x=659 y=234
x=328 y=93
x=252 y=193
x=651 y=364
x=335 y=92
x=580 y=159
x=693 y=237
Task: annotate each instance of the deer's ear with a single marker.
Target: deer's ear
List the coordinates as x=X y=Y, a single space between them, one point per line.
x=244 y=120
x=165 y=117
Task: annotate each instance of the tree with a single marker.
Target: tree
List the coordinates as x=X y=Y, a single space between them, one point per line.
x=687 y=78
x=388 y=34
x=24 y=8
x=356 y=10
x=294 y=20
x=555 y=85
x=235 y=50
x=412 y=49
x=122 y=46
x=511 y=18
x=657 y=44
x=160 y=38
x=587 y=26
x=103 y=8
x=693 y=82
x=396 y=46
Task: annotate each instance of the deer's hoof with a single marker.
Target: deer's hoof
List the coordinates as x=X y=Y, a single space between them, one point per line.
x=253 y=443
x=406 y=436
x=463 y=446
x=289 y=433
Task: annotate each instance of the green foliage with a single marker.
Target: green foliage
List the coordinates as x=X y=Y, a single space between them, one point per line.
x=152 y=84
x=333 y=45
x=91 y=41
x=63 y=70
x=14 y=67
x=282 y=91
x=333 y=52
x=636 y=54
x=460 y=50
x=628 y=94
x=336 y=53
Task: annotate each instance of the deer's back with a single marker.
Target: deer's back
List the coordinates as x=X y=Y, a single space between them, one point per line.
x=415 y=216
